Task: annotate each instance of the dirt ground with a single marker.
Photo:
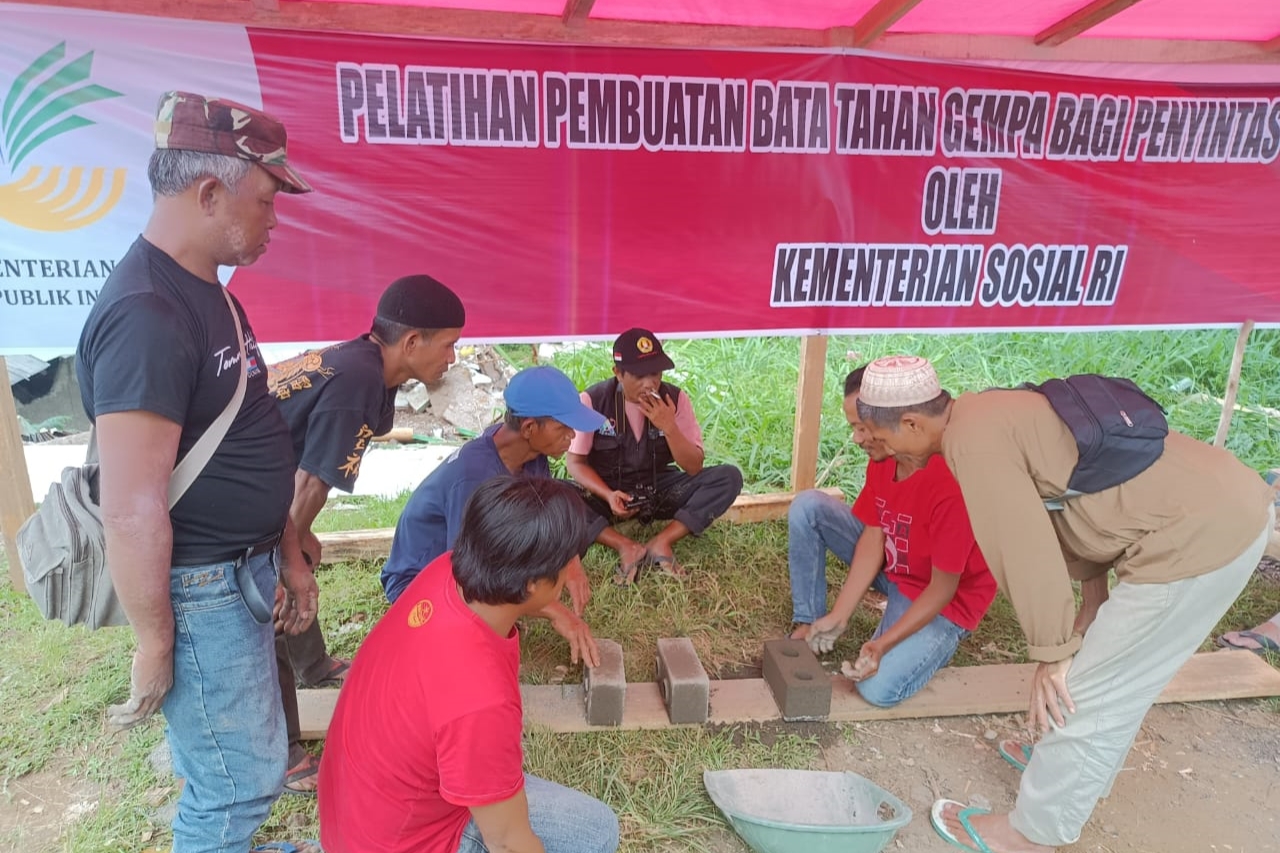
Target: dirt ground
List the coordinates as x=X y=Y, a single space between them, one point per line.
x=1202 y=777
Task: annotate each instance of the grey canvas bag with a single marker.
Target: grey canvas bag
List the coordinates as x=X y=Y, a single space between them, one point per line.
x=63 y=546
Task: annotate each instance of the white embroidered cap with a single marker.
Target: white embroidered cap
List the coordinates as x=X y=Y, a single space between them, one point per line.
x=894 y=381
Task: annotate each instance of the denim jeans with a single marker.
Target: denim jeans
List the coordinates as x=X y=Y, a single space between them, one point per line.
x=225 y=726
x=909 y=665
x=565 y=820
x=817 y=523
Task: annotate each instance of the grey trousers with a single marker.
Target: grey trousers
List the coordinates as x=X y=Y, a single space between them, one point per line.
x=1142 y=636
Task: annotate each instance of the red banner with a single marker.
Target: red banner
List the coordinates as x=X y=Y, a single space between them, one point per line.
x=571 y=192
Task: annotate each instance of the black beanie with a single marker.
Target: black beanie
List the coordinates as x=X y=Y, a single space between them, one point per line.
x=421 y=302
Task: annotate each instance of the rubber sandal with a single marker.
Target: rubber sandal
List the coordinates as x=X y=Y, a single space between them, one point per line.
x=669 y=567
x=626 y=574
x=308 y=768
x=975 y=843
x=1017 y=753
x=1265 y=643
x=336 y=675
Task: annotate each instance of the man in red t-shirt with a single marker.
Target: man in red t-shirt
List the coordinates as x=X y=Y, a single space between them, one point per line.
x=424 y=753
x=918 y=549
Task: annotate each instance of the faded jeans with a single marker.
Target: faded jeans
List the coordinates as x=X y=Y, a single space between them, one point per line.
x=819 y=523
x=565 y=820
x=225 y=725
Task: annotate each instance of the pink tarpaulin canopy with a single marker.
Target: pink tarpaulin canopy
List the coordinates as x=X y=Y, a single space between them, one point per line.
x=1238 y=20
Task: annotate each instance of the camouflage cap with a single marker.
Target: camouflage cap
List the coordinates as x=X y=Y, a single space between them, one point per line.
x=188 y=122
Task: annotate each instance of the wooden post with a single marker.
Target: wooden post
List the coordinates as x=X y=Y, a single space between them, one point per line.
x=804 y=446
x=16 y=503
x=1233 y=384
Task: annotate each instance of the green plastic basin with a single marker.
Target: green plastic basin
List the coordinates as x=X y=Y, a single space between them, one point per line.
x=806 y=811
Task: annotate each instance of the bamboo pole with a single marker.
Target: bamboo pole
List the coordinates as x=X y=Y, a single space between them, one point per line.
x=804 y=446
x=16 y=503
x=1233 y=384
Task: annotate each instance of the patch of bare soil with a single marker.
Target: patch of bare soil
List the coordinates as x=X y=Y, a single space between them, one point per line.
x=1202 y=777
x=36 y=809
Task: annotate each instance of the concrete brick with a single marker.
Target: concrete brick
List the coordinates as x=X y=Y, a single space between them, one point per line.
x=799 y=684
x=686 y=689
x=606 y=686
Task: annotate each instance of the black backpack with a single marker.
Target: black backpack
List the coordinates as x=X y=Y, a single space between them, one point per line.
x=1118 y=429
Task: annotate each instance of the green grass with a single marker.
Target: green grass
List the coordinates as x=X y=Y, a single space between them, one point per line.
x=55 y=683
x=743 y=390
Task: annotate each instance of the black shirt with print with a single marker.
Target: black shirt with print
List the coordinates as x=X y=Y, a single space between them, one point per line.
x=161 y=340
x=334 y=401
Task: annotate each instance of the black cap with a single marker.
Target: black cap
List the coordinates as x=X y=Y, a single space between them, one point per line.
x=638 y=351
x=421 y=302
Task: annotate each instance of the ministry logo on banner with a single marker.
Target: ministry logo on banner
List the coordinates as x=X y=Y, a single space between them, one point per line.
x=78 y=95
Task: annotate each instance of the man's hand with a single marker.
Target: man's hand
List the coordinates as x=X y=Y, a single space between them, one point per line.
x=301 y=598
x=868 y=662
x=310 y=545
x=579 y=587
x=1049 y=695
x=824 y=632
x=618 y=504
x=581 y=644
x=660 y=411
x=149 y=682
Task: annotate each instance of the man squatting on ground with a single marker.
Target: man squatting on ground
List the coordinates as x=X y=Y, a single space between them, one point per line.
x=646 y=460
x=543 y=410
x=907 y=537
x=158 y=361
x=1183 y=537
x=424 y=753
x=334 y=401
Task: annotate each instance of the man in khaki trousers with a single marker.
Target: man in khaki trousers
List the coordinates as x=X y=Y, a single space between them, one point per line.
x=1183 y=537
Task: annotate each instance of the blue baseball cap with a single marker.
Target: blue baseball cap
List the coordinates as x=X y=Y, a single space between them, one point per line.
x=544 y=392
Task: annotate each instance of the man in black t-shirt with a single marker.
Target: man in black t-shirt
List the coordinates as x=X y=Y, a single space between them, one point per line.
x=334 y=401
x=158 y=361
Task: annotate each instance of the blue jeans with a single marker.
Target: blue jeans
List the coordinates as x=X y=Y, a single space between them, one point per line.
x=817 y=523
x=225 y=724
x=565 y=820
x=909 y=665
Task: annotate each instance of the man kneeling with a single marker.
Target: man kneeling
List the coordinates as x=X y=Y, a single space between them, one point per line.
x=424 y=752
x=914 y=544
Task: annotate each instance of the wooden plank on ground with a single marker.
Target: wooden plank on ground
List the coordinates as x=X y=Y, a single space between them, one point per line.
x=16 y=503
x=376 y=544
x=953 y=692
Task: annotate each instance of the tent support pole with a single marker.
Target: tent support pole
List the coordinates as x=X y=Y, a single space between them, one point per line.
x=1233 y=384
x=804 y=446
x=16 y=503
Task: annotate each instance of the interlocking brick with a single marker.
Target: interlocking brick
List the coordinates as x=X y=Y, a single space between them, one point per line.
x=799 y=684
x=606 y=686
x=685 y=687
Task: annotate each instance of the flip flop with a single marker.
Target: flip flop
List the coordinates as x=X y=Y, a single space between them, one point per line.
x=306 y=769
x=974 y=844
x=1016 y=753
x=625 y=574
x=668 y=566
x=1265 y=643
x=335 y=676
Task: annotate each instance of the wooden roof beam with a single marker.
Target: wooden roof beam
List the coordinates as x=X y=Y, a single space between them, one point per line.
x=872 y=24
x=1080 y=20
x=576 y=11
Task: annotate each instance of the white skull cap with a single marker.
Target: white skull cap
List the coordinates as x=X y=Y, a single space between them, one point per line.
x=894 y=381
